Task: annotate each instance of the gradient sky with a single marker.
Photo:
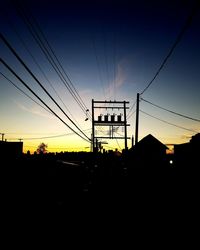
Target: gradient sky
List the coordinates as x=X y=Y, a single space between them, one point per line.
x=111 y=50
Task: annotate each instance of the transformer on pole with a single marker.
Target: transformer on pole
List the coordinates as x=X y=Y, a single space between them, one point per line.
x=111 y=121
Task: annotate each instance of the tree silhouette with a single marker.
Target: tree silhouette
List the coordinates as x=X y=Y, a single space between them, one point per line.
x=42 y=148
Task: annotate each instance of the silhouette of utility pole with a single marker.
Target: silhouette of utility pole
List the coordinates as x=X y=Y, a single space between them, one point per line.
x=137 y=118
x=132 y=141
x=111 y=122
x=2 y=138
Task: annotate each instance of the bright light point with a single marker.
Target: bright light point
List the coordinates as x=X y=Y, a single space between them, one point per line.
x=171 y=162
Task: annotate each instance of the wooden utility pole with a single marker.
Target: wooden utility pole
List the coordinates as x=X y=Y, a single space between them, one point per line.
x=125 y=127
x=93 y=131
x=2 y=134
x=132 y=141
x=91 y=145
x=137 y=118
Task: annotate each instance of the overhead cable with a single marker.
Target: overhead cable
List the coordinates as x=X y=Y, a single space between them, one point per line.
x=184 y=116
x=178 y=39
x=34 y=77
x=41 y=70
x=36 y=36
x=45 y=137
x=55 y=56
x=191 y=130
x=98 y=66
x=129 y=116
x=24 y=92
x=131 y=108
x=12 y=71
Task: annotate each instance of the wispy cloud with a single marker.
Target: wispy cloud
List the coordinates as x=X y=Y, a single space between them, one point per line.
x=34 y=110
x=120 y=78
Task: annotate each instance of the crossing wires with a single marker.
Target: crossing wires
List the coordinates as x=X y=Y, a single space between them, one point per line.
x=191 y=130
x=15 y=74
x=23 y=92
x=177 y=41
x=44 y=137
x=170 y=111
x=40 y=68
x=40 y=38
x=39 y=83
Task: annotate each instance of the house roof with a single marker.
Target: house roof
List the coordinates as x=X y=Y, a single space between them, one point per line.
x=149 y=141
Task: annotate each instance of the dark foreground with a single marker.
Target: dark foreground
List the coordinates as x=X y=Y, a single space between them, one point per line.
x=90 y=193
x=55 y=183
x=108 y=199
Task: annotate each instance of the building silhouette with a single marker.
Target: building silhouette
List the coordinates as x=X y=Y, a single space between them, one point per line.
x=10 y=150
x=148 y=152
x=188 y=154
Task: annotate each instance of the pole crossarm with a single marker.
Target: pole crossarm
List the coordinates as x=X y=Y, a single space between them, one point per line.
x=114 y=102
x=102 y=123
x=108 y=107
x=109 y=137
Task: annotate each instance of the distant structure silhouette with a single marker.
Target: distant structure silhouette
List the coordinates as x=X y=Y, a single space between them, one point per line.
x=10 y=150
x=188 y=154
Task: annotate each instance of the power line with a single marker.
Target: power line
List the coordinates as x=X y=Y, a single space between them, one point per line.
x=24 y=92
x=128 y=115
x=53 y=64
x=115 y=63
x=178 y=39
x=118 y=145
x=36 y=36
x=184 y=116
x=12 y=71
x=131 y=114
x=106 y=56
x=55 y=56
x=34 y=77
x=44 y=137
x=41 y=70
x=98 y=65
x=191 y=130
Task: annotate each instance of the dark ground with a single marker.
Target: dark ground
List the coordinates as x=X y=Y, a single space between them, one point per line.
x=103 y=193
x=52 y=182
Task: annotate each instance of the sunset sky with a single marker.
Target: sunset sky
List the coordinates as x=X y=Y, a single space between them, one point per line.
x=110 y=50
